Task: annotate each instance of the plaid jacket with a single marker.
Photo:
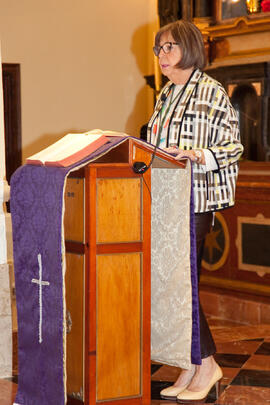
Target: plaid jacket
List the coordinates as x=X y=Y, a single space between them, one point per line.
x=205 y=119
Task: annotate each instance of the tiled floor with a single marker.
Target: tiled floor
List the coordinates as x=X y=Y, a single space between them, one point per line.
x=243 y=352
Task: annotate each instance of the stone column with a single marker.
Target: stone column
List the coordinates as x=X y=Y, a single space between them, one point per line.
x=5 y=255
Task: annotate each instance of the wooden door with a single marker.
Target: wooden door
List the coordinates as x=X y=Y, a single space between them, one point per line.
x=12 y=116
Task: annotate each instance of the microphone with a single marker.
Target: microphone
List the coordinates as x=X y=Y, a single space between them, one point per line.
x=141 y=167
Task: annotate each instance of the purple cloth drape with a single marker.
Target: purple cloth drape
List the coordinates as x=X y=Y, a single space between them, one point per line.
x=195 y=341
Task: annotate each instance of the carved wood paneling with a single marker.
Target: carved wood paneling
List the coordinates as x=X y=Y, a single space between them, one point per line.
x=252 y=204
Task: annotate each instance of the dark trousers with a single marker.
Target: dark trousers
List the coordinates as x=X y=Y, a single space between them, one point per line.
x=203 y=224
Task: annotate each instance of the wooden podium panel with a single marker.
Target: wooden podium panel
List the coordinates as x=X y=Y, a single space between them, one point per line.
x=118 y=230
x=119 y=325
x=74 y=206
x=118 y=210
x=75 y=324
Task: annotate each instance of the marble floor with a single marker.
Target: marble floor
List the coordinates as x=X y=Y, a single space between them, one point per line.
x=243 y=352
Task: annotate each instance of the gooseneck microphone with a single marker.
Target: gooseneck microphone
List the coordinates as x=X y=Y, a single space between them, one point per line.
x=142 y=167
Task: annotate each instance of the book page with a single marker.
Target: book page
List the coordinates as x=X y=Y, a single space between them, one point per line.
x=114 y=133
x=65 y=147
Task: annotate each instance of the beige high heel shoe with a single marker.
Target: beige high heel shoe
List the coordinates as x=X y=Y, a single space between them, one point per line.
x=172 y=392
x=188 y=396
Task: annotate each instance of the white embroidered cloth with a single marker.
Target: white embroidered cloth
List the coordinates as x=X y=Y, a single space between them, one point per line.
x=171 y=289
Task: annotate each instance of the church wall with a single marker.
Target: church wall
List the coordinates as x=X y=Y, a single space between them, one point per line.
x=82 y=65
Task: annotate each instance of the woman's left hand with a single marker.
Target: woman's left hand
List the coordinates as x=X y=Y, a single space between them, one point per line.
x=186 y=153
x=181 y=153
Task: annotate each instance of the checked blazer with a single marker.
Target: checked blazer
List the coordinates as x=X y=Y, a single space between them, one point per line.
x=204 y=119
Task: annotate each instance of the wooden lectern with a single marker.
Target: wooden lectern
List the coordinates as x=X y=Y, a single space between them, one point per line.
x=108 y=253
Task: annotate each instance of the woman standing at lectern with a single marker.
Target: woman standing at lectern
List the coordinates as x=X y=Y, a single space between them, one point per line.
x=193 y=117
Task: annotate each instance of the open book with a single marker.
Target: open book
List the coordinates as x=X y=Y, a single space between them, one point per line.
x=71 y=148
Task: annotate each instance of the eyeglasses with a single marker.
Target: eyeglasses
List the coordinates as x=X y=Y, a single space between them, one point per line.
x=167 y=47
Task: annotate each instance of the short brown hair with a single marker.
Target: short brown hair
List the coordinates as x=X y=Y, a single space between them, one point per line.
x=190 y=41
